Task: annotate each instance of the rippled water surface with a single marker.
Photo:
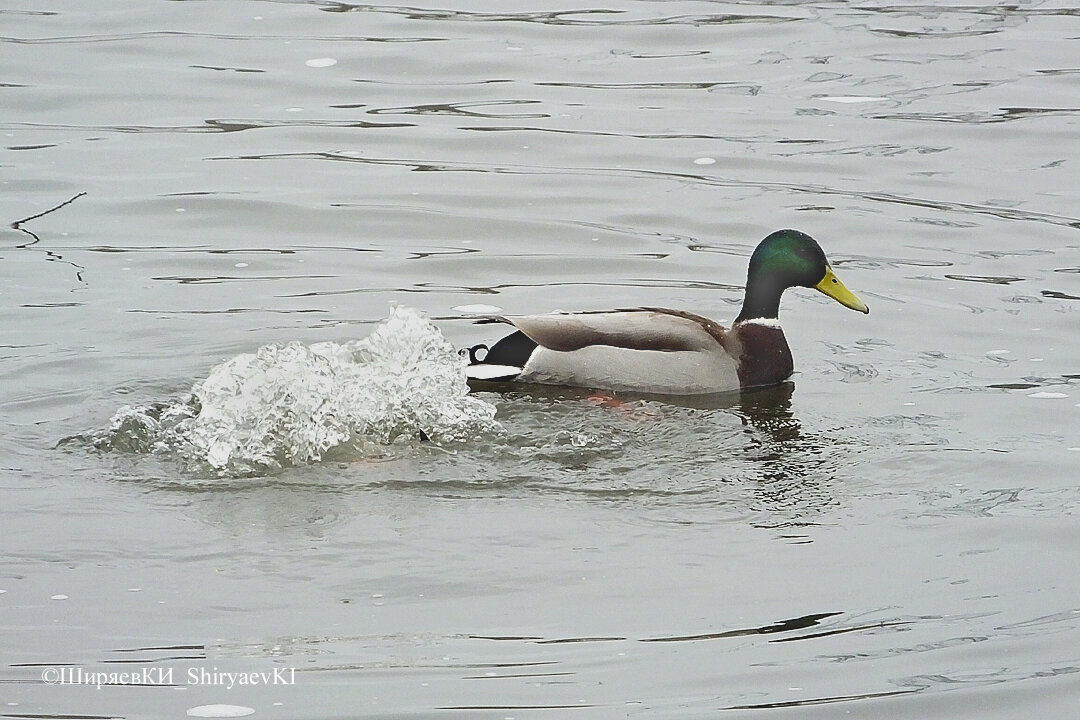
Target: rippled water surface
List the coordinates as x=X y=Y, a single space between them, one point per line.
x=235 y=437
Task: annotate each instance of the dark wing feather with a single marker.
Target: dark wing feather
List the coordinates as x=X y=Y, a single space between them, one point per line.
x=641 y=329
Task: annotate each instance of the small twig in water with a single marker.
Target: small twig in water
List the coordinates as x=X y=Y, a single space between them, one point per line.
x=18 y=223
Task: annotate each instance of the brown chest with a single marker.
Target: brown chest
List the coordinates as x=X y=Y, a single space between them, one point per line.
x=763 y=355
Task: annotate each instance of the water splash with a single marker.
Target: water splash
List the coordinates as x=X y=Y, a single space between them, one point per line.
x=294 y=404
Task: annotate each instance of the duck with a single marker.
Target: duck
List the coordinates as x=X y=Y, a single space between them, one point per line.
x=661 y=351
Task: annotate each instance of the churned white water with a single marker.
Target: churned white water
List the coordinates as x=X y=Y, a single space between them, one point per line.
x=289 y=404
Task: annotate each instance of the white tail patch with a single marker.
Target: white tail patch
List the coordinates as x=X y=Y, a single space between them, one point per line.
x=483 y=371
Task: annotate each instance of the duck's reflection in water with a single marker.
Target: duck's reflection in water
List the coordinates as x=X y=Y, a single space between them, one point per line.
x=795 y=468
x=769 y=412
x=789 y=470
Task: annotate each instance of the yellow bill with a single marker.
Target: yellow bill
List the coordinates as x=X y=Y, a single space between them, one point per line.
x=831 y=286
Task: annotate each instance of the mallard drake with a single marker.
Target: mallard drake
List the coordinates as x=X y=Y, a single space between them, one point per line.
x=668 y=352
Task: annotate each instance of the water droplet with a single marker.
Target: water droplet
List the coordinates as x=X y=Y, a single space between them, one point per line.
x=59 y=597
x=241 y=265
x=477 y=309
x=321 y=62
x=704 y=161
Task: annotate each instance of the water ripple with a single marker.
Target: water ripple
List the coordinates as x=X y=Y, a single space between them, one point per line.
x=590 y=17
x=1006 y=114
x=211 y=126
x=1005 y=213
x=123 y=37
x=463 y=109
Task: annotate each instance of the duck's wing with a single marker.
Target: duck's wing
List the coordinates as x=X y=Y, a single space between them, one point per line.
x=657 y=329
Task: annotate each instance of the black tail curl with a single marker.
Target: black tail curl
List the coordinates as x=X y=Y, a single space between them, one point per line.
x=472 y=351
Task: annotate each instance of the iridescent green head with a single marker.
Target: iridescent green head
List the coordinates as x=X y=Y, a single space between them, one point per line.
x=789 y=258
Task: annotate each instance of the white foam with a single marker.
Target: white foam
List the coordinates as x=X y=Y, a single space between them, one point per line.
x=220 y=711
x=292 y=404
x=1048 y=395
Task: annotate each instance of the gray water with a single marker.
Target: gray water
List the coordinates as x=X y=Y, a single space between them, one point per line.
x=894 y=537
